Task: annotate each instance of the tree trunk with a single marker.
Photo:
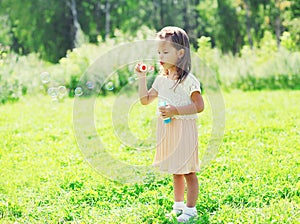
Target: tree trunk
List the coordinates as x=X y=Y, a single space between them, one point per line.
x=98 y=17
x=156 y=14
x=248 y=24
x=197 y=2
x=75 y=33
x=197 y=32
x=185 y=12
x=278 y=29
x=162 y=13
x=107 y=19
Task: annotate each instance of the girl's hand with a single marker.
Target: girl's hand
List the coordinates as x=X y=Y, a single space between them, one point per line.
x=167 y=111
x=139 y=72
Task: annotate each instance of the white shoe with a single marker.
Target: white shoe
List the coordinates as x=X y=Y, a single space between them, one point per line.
x=177 y=210
x=188 y=214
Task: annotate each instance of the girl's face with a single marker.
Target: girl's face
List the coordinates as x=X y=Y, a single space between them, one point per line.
x=168 y=55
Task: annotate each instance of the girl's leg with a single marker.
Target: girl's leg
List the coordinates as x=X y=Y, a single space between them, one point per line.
x=192 y=189
x=178 y=206
x=178 y=184
x=192 y=195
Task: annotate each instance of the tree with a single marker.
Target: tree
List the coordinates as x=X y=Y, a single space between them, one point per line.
x=53 y=27
x=228 y=30
x=76 y=33
x=46 y=31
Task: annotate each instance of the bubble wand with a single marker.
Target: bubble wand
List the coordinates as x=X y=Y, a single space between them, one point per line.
x=144 y=68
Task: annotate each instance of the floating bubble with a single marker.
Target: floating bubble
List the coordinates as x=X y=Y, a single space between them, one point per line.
x=109 y=86
x=131 y=80
x=90 y=85
x=78 y=91
x=45 y=77
x=62 y=90
x=52 y=91
x=151 y=68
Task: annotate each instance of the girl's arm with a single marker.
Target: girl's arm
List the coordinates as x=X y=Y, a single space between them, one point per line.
x=146 y=96
x=196 y=106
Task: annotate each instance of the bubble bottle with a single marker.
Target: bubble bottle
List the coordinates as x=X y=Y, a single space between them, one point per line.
x=168 y=119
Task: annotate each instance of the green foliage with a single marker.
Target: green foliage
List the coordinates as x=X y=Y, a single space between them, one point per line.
x=268 y=46
x=19 y=75
x=39 y=26
x=53 y=28
x=228 y=37
x=5 y=35
x=254 y=178
x=263 y=67
x=10 y=91
x=287 y=42
x=71 y=68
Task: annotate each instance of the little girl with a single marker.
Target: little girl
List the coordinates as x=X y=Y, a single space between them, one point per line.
x=177 y=141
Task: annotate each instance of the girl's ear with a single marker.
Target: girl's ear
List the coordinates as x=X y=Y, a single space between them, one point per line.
x=180 y=53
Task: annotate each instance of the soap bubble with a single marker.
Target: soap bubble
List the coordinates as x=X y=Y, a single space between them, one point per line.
x=131 y=80
x=109 y=86
x=78 y=91
x=52 y=91
x=62 y=90
x=151 y=68
x=45 y=77
x=90 y=85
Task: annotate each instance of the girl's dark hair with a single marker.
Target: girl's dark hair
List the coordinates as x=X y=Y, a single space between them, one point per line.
x=180 y=40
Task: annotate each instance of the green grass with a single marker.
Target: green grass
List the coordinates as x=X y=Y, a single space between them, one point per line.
x=255 y=178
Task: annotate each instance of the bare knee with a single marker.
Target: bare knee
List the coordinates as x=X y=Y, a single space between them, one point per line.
x=191 y=177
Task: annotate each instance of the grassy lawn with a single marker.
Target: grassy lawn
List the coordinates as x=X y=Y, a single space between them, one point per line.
x=255 y=178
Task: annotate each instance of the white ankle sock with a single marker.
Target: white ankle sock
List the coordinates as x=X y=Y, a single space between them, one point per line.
x=190 y=209
x=179 y=205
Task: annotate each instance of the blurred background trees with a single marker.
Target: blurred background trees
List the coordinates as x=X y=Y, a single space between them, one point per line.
x=51 y=28
x=247 y=44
